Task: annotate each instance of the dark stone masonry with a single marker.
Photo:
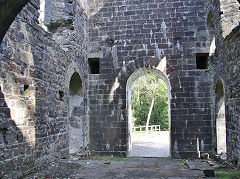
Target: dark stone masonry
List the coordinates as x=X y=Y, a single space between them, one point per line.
x=65 y=86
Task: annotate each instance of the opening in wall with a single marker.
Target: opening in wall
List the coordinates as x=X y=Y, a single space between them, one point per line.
x=94 y=65
x=148 y=102
x=75 y=84
x=25 y=87
x=42 y=14
x=202 y=60
x=25 y=90
x=220 y=119
x=61 y=95
x=78 y=129
x=210 y=22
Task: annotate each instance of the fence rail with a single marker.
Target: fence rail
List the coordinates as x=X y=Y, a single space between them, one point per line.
x=152 y=128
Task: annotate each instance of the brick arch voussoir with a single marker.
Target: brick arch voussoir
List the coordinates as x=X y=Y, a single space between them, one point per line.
x=136 y=64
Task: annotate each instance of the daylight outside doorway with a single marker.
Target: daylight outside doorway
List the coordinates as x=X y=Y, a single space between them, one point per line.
x=148 y=115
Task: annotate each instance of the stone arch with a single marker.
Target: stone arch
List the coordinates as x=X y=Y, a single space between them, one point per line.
x=229 y=15
x=220 y=117
x=73 y=68
x=78 y=125
x=131 y=70
x=130 y=82
x=9 y=9
x=145 y=62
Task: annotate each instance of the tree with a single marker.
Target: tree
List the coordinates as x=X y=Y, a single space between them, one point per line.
x=150 y=102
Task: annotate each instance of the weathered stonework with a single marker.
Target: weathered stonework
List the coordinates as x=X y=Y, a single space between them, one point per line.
x=35 y=79
x=52 y=106
x=224 y=67
x=140 y=34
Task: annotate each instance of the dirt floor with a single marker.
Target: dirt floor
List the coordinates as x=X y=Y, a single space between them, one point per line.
x=136 y=168
x=146 y=161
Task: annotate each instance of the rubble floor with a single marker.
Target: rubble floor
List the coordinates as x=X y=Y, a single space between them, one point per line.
x=121 y=168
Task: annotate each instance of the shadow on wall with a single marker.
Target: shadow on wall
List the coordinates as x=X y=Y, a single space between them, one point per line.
x=26 y=133
x=128 y=40
x=17 y=123
x=18 y=104
x=116 y=103
x=16 y=143
x=35 y=109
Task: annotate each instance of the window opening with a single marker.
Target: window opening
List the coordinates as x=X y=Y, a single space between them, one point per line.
x=26 y=90
x=93 y=65
x=61 y=95
x=202 y=60
x=26 y=87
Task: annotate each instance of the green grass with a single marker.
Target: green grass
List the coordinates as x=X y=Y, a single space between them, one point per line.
x=223 y=174
x=81 y=163
x=166 y=159
x=181 y=163
x=159 y=173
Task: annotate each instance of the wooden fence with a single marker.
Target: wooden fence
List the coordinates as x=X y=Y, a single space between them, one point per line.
x=152 y=128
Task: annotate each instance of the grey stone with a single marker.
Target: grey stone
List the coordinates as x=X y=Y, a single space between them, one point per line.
x=130 y=38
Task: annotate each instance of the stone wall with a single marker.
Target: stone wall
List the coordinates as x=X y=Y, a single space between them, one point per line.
x=41 y=118
x=35 y=77
x=128 y=35
x=224 y=66
x=232 y=76
x=9 y=9
x=230 y=15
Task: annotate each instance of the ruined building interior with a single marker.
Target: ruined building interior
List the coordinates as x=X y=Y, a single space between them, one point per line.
x=67 y=67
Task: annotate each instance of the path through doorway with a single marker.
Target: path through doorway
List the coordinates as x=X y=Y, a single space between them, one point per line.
x=144 y=143
x=154 y=144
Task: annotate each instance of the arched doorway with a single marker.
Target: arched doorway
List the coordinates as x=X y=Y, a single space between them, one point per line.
x=160 y=150
x=220 y=118
x=77 y=122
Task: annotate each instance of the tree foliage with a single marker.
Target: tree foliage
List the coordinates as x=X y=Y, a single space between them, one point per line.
x=143 y=91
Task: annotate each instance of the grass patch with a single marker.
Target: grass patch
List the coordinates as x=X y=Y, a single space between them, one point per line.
x=81 y=163
x=166 y=159
x=159 y=173
x=223 y=174
x=181 y=163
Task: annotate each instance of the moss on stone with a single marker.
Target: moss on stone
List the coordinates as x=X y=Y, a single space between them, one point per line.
x=223 y=174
